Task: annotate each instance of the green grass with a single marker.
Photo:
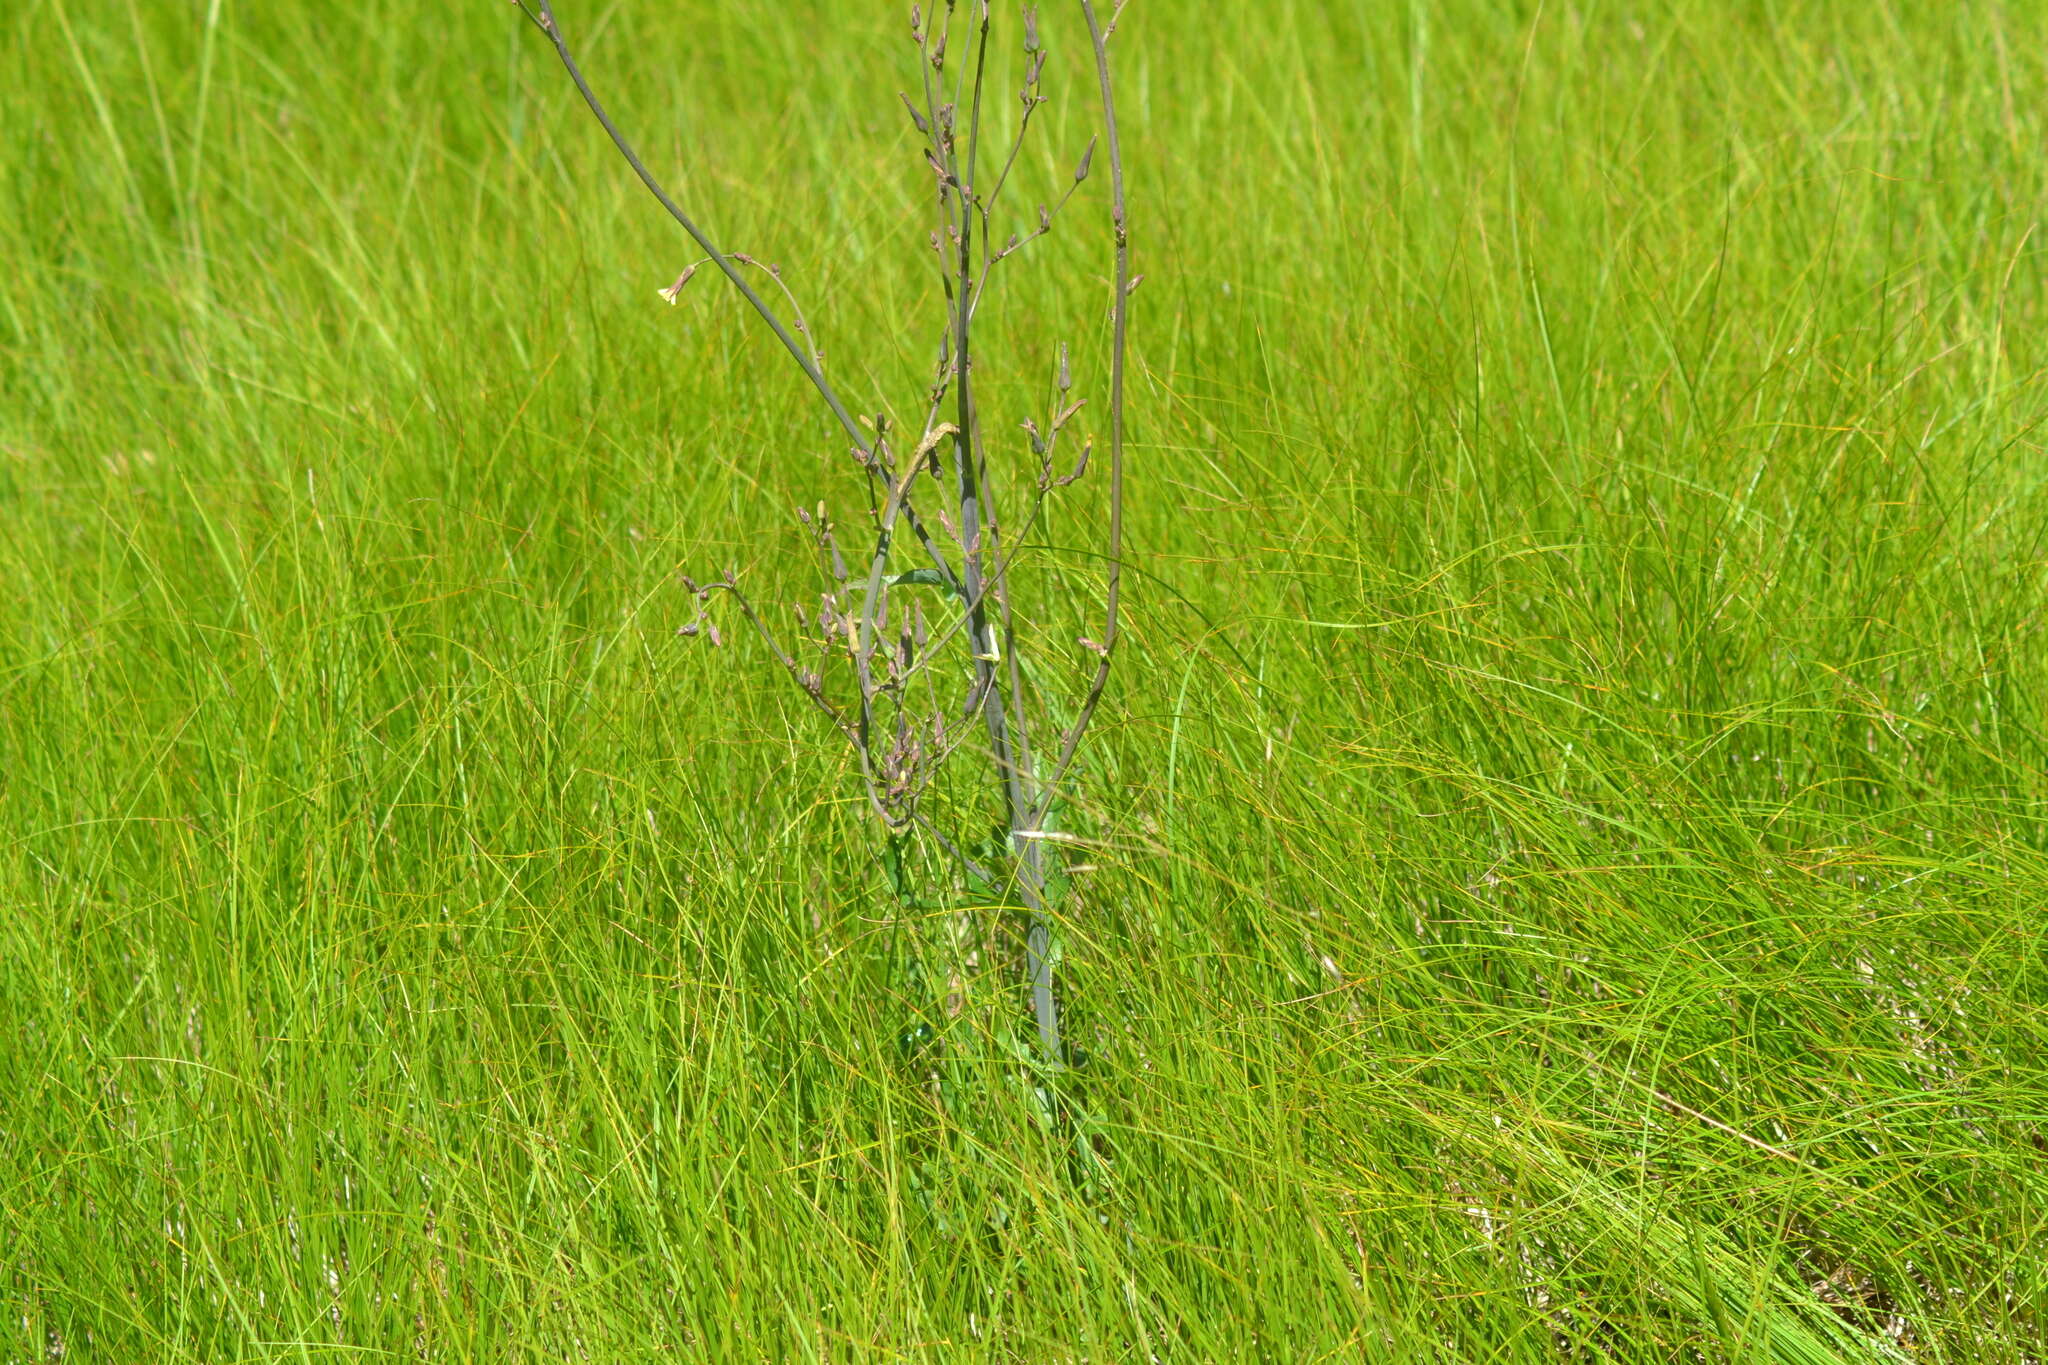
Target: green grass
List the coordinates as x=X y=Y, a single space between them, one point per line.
x=1569 y=834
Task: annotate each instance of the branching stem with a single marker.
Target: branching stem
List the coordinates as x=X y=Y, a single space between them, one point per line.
x=889 y=651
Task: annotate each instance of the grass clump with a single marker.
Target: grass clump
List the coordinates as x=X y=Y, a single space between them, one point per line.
x=1567 y=852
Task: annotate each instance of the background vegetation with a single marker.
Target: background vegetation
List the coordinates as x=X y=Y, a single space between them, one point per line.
x=1569 y=850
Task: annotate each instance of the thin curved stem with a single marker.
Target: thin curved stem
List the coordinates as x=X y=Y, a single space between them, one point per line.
x=725 y=264
x=545 y=21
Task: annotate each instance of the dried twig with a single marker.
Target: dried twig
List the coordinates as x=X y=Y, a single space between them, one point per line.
x=900 y=724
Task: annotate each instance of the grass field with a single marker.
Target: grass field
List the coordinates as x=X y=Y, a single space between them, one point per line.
x=1567 y=841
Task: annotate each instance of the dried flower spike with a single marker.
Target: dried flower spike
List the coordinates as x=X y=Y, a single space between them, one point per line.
x=669 y=294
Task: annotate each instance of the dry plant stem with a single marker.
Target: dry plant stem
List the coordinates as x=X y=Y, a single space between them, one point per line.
x=545 y=20
x=869 y=451
x=997 y=691
x=1019 y=800
x=870 y=622
x=873 y=454
x=782 y=657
